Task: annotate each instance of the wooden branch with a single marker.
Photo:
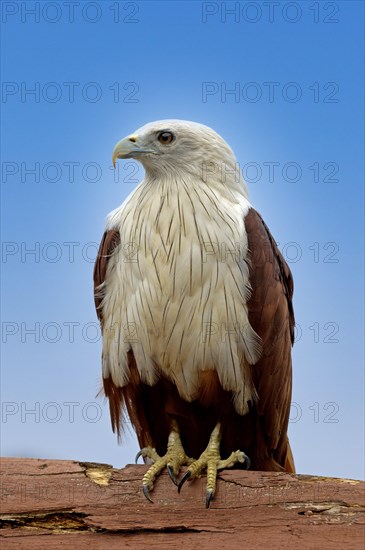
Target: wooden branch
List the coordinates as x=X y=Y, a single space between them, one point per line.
x=65 y=504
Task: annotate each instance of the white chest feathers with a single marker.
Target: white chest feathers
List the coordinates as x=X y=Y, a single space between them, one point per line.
x=177 y=289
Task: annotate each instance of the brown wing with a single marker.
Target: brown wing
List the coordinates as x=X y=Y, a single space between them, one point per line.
x=271 y=315
x=109 y=242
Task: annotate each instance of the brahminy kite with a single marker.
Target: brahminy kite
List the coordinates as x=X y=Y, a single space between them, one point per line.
x=195 y=304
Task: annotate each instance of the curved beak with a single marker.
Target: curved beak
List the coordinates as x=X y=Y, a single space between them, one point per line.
x=128 y=148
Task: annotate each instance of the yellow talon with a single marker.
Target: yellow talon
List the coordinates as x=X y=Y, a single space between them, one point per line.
x=174 y=458
x=211 y=460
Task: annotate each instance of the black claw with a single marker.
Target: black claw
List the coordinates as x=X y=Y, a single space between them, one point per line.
x=208 y=498
x=183 y=479
x=171 y=474
x=247 y=463
x=137 y=456
x=146 y=493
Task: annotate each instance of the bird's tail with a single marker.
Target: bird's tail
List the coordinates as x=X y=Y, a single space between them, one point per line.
x=289 y=461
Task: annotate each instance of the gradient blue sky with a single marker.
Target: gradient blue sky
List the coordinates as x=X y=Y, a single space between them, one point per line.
x=107 y=70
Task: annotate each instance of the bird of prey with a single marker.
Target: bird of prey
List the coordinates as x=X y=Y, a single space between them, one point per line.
x=195 y=304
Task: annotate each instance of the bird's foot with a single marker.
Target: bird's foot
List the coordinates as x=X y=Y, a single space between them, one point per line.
x=211 y=460
x=172 y=460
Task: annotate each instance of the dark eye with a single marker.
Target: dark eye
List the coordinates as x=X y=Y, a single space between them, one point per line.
x=165 y=137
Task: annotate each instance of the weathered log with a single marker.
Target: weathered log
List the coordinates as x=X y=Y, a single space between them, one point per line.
x=66 y=504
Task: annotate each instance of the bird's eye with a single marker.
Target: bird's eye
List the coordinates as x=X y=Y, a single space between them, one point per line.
x=165 y=137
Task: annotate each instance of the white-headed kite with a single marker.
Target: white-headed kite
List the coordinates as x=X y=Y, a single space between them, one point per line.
x=195 y=304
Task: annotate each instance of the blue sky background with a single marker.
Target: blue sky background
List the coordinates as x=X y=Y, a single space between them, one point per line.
x=129 y=63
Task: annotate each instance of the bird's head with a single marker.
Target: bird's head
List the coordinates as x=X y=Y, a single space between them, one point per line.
x=178 y=148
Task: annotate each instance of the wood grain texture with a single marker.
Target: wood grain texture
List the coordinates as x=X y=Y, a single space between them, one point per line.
x=65 y=504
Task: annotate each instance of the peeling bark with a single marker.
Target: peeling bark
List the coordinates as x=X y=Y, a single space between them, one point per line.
x=51 y=503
